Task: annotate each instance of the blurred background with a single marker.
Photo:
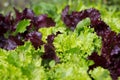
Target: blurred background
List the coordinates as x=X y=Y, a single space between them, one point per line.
x=7 y=5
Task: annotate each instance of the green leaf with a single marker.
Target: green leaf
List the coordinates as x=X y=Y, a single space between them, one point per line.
x=22 y=25
x=81 y=25
x=100 y=73
x=13 y=59
x=52 y=63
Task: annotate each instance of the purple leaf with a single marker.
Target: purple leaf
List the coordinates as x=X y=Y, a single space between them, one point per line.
x=2 y=41
x=113 y=65
x=17 y=39
x=99 y=60
x=43 y=21
x=110 y=54
x=71 y=20
x=25 y=14
x=18 y=14
x=28 y=13
x=3 y=25
x=9 y=44
x=35 y=38
x=50 y=53
x=100 y=28
x=3 y=28
x=50 y=38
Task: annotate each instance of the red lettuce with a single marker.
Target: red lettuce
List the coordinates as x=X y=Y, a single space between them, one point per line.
x=71 y=20
x=110 y=54
x=8 y=25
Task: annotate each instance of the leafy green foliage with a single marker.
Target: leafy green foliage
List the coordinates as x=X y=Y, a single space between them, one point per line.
x=42 y=8
x=68 y=71
x=72 y=47
x=20 y=64
x=114 y=20
x=102 y=74
x=45 y=32
x=22 y=25
x=72 y=42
